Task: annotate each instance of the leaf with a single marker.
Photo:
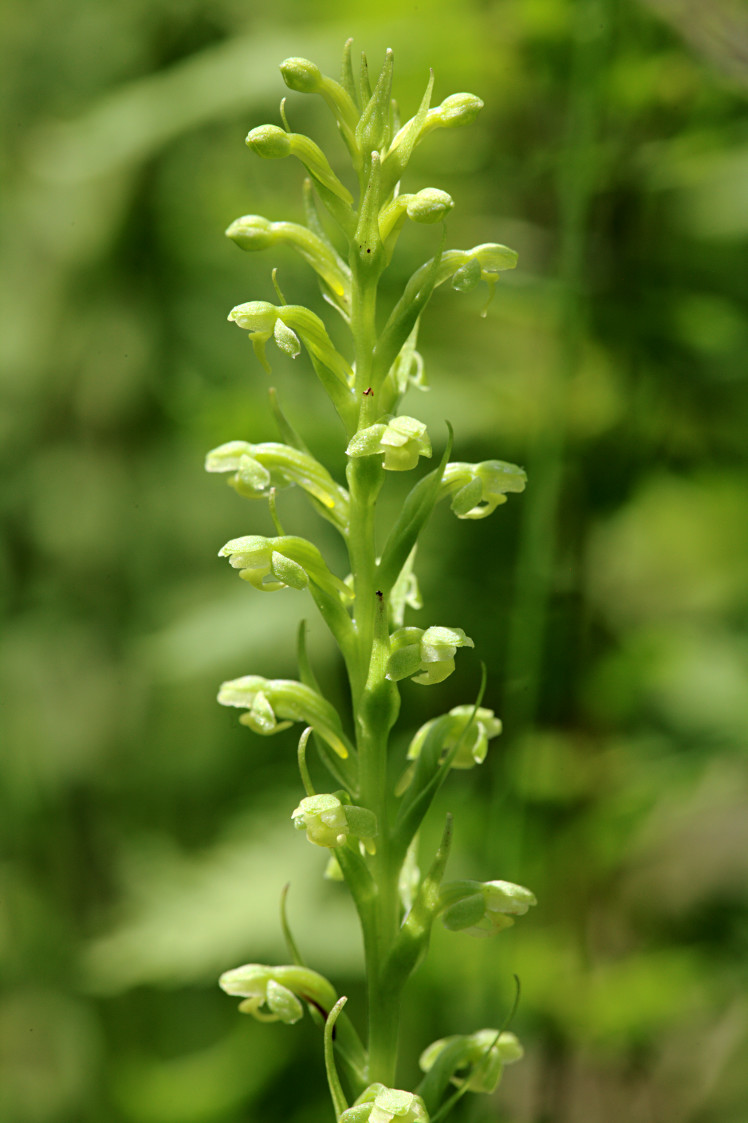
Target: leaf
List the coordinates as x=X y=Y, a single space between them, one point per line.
x=415 y=511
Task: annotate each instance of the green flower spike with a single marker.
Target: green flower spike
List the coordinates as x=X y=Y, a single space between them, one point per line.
x=426 y=656
x=329 y=822
x=476 y=1061
x=280 y=989
x=478 y=489
x=266 y=700
x=483 y=908
x=400 y=441
x=473 y=728
x=379 y=1104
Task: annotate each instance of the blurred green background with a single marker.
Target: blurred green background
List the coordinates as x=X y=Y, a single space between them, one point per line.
x=146 y=836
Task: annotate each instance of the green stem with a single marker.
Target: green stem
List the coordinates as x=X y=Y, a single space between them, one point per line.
x=375 y=700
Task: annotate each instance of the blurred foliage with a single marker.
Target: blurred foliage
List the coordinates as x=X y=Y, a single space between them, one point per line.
x=144 y=845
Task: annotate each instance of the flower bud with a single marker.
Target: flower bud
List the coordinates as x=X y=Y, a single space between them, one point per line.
x=273 y=143
x=429 y=205
x=269 y=141
x=306 y=78
x=401 y=440
x=301 y=75
x=251 y=232
x=471 y=727
x=280 y=989
x=455 y=110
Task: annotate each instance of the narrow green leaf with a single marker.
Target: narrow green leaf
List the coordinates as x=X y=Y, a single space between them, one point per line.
x=415 y=511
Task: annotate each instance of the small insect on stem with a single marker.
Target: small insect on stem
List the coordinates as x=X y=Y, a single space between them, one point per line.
x=368 y=392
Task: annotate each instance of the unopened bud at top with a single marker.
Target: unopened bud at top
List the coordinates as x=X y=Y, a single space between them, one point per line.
x=301 y=75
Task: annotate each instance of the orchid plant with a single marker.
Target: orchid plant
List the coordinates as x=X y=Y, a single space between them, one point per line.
x=370 y=819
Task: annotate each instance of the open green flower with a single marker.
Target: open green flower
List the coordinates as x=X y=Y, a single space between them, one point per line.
x=472 y=727
x=284 y=562
x=280 y=990
x=425 y=656
x=400 y=441
x=483 y=908
x=478 y=489
x=323 y=819
x=267 y=700
x=474 y=1061
x=258 y=468
x=328 y=821
x=379 y=1104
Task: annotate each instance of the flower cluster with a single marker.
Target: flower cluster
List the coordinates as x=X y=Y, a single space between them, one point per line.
x=368 y=825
